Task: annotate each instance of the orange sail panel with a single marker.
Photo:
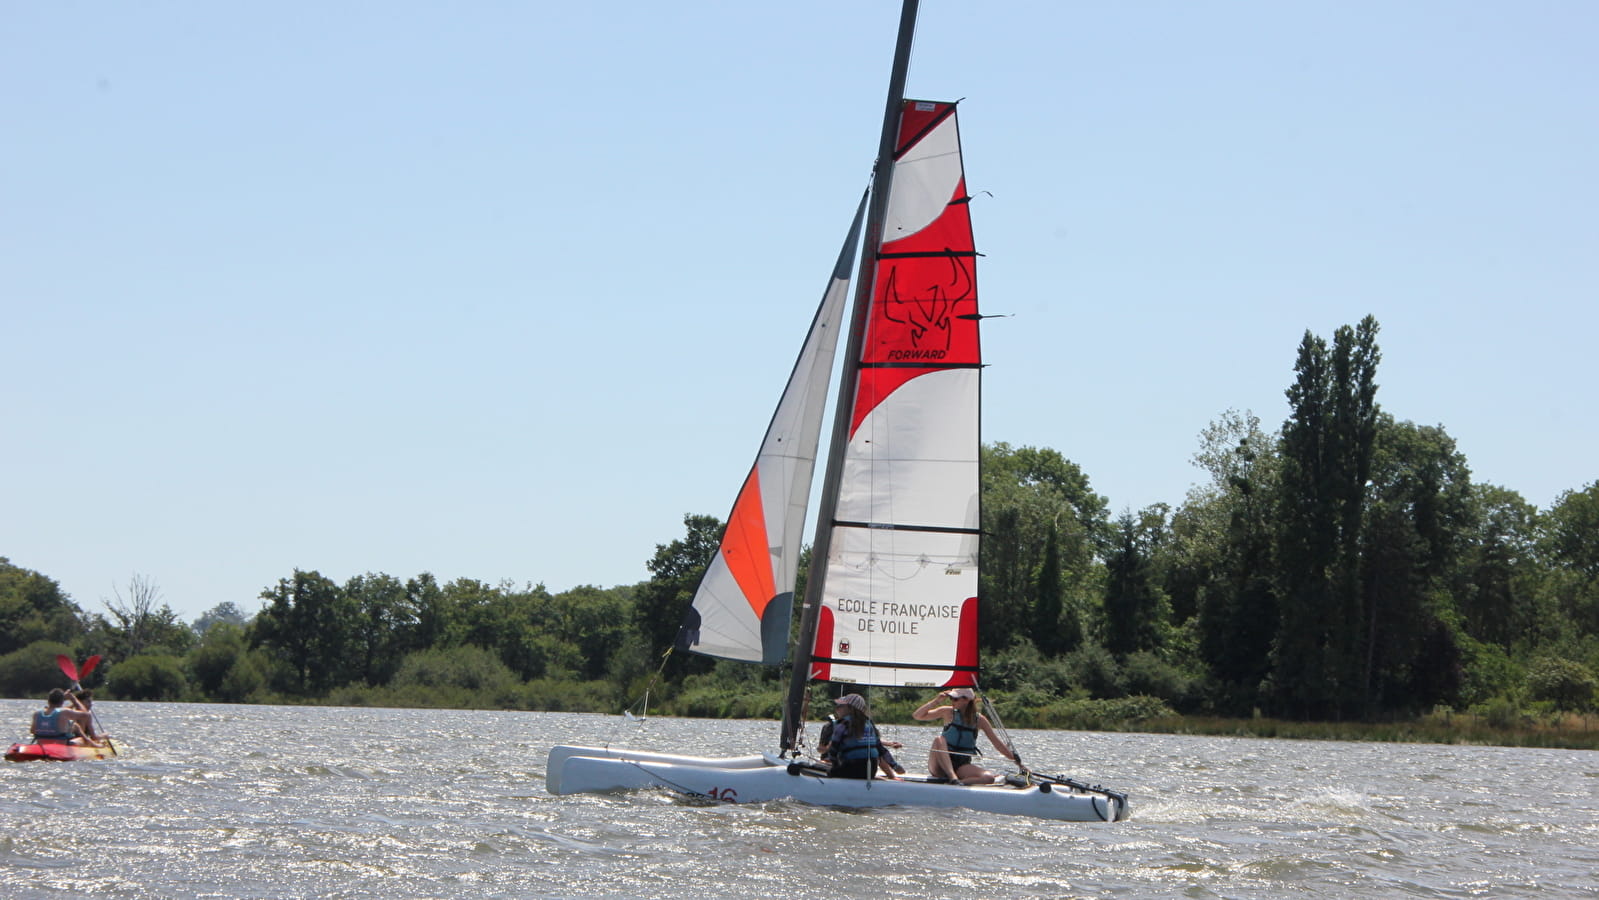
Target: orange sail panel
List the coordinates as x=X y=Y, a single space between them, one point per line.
x=742 y=607
x=744 y=547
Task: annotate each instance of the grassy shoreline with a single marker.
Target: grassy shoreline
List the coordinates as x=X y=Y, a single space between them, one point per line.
x=1571 y=733
x=1521 y=728
x=1564 y=731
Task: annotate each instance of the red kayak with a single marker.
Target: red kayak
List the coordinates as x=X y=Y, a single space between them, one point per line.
x=55 y=750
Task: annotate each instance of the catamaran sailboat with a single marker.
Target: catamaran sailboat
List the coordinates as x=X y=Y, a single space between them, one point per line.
x=892 y=598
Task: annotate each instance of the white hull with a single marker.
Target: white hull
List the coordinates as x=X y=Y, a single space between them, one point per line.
x=758 y=779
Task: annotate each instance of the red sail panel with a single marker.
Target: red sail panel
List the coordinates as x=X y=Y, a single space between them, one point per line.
x=926 y=268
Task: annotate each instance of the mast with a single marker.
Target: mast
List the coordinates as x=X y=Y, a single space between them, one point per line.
x=883 y=175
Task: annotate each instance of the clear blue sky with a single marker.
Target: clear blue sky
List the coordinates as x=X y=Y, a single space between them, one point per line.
x=503 y=290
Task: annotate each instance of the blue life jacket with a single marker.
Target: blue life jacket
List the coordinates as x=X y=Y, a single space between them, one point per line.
x=960 y=737
x=848 y=749
x=47 y=725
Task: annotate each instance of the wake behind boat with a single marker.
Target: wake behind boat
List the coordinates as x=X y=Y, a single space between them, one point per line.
x=892 y=598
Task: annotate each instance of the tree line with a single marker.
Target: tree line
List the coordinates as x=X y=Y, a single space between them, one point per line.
x=1343 y=566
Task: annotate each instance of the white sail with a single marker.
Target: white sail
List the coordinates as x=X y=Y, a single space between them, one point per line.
x=744 y=602
x=899 y=604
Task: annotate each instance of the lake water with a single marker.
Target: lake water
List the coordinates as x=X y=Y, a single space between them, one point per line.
x=291 y=802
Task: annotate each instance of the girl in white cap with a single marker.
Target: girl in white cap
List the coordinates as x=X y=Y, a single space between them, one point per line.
x=951 y=759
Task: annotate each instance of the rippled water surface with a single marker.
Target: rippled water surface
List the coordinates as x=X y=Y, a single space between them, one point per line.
x=278 y=802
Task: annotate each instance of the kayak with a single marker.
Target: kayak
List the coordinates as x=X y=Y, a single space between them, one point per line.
x=58 y=751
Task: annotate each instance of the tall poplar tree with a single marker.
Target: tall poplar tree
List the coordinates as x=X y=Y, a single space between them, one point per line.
x=1326 y=454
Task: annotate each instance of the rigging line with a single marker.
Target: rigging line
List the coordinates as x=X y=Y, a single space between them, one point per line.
x=643 y=704
x=670 y=784
x=999 y=725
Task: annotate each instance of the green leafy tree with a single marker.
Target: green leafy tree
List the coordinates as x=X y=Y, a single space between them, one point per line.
x=1326 y=459
x=437 y=620
x=384 y=628
x=226 y=612
x=592 y=620
x=1136 y=610
x=1501 y=576
x=1221 y=559
x=308 y=624
x=1057 y=628
x=479 y=610
x=1572 y=546
x=675 y=572
x=33 y=608
x=1028 y=494
x=1418 y=522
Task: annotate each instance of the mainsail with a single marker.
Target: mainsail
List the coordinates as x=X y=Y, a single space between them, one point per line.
x=899 y=602
x=744 y=602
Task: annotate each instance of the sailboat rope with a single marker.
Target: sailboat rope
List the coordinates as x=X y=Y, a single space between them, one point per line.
x=993 y=715
x=643 y=704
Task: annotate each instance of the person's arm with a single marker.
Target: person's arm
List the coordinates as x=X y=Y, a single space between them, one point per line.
x=83 y=724
x=1003 y=748
x=926 y=712
x=888 y=770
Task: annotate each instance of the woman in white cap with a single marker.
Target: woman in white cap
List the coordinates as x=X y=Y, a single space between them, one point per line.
x=854 y=745
x=951 y=759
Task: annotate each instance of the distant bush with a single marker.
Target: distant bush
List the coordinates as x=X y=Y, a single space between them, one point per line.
x=245 y=680
x=148 y=676
x=1489 y=672
x=32 y=671
x=1145 y=673
x=1097 y=715
x=1095 y=670
x=215 y=656
x=1501 y=712
x=1567 y=684
x=469 y=668
x=558 y=695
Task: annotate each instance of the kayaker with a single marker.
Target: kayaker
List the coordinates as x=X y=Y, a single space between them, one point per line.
x=93 y=736
x=55 y=723
x=953 y=749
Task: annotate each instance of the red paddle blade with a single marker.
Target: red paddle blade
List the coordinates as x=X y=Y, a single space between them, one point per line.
x=68 y=667
x=88 y=666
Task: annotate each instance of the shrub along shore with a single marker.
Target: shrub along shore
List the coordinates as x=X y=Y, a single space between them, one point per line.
x=1502 y=727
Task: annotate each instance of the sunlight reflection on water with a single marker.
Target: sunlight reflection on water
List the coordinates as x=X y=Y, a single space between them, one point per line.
x=225 y=801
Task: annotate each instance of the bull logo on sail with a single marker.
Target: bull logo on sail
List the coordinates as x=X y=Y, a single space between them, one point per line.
x=928 y=315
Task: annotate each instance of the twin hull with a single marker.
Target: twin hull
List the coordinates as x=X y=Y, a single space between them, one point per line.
x=758 y=779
